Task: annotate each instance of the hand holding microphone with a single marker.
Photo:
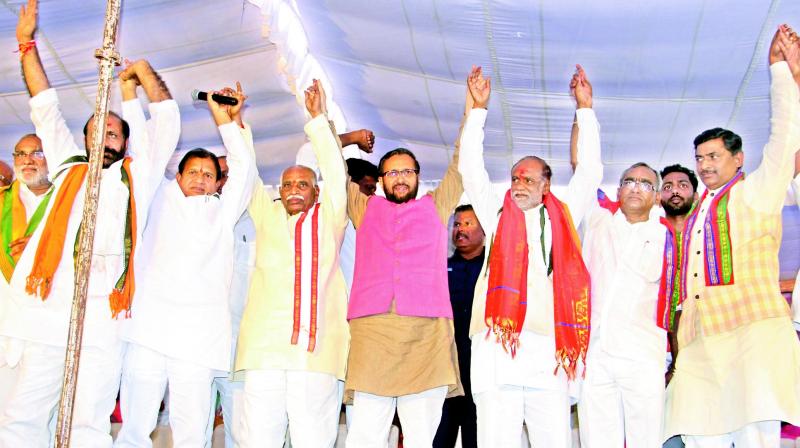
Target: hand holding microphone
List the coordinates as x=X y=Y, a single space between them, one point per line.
x=198 y=95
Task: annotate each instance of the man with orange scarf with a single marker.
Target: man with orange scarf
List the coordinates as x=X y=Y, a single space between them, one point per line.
x=737 y=374
x=43 y=281
x=530 y=316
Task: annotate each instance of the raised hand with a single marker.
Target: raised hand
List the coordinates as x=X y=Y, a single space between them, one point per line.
x=235 y=112
x=775 y=53
x=581 y=88
x=480 y=88
x=26 y=26
x=218 y=111
x=790 y=47
x=315 y=99
x=364 y=138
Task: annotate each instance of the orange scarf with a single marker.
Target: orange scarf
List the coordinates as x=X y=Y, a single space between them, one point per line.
x=506 y=298
x=51 y=243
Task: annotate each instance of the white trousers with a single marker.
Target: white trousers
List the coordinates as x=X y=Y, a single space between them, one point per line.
x=231 y=394
x=307 y=402
x=621 y=401
x=25 y=419
x=145 y=376
x=372 y=418
x=766 y=434
x=502 y=410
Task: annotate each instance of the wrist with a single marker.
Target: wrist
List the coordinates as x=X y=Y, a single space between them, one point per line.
x=24 y=39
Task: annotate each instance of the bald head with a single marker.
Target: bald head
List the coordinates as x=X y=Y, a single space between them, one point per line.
x=6 y=174
x=298 y=189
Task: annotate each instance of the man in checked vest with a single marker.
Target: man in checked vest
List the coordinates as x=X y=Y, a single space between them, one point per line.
x=43 y=281
x=738 y=366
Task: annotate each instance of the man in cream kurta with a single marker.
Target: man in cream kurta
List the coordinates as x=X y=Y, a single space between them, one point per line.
x=622 y=397
x=796 y=292
x=293 y=339
x=506 y=390
x=180 y=330
x=42 y=325
x=738 y=368
x=33 y=190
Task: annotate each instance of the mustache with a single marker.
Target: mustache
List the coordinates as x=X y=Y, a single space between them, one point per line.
x=294 y=196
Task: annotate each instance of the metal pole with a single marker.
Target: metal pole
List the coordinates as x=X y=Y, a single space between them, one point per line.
x=108 y=57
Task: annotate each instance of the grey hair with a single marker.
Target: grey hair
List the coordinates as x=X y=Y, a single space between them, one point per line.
x=638 y=165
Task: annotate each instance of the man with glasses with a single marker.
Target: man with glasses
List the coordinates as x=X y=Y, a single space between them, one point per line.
x=622 y=397
x=534 y=289
x=738 y=368
x=135 y=154
x=402 y=353
x=293 y=338
x=22 y=207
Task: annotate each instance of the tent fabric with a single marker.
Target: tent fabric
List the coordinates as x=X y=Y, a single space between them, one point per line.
x=662 y=71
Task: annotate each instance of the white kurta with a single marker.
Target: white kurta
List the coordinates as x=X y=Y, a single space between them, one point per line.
x=181 y=306
x=150 y=145
x=40 y=326
x=535 y=360
x=10 y=349
x=622 y=397
x=509 y=390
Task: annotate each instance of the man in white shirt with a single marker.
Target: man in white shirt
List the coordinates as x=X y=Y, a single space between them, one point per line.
x=22 y=206
x=180 y=329
x=529 y=386
x=136 y=153
x=622 y=397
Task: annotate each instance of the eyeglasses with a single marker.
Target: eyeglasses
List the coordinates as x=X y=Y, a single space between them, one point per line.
x=37 y=155
x=393 y=174
x=643 y=185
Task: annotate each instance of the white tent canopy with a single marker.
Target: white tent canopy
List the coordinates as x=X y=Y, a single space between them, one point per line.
x=662 y=71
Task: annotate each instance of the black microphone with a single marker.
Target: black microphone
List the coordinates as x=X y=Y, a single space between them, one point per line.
x=197 y=95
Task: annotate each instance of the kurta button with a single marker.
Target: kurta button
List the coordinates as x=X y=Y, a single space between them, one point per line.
x=695 y=274
x=697 y=296
x=698 y=231
x=712 y=195
x=698 y=252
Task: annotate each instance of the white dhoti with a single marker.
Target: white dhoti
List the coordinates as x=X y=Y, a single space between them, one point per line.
x=307 y=402
x=372 y=418
x=727 y=382
x=622 y=401
x=33 y=398
x=145 y=376
x=511 y=391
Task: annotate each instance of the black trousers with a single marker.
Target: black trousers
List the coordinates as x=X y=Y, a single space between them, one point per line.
x=457 y=412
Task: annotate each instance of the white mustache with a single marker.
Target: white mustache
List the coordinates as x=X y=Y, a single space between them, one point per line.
x=294 y=196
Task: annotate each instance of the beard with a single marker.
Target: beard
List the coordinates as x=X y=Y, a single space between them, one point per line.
x=111 y=155
x=677 y=210
x=411 y=194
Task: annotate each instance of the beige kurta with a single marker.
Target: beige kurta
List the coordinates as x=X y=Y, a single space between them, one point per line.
x=393 y=355
x=266 y=328
x=739 y=358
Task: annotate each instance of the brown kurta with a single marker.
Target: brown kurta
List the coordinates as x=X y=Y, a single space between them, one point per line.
x=393 y=355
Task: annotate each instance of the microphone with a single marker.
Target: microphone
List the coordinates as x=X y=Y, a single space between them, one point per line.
x=198 y=95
